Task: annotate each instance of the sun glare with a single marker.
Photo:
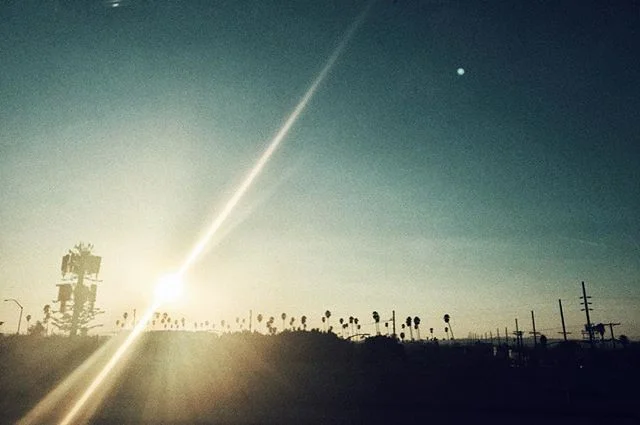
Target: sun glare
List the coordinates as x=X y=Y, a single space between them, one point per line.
x=169 y=289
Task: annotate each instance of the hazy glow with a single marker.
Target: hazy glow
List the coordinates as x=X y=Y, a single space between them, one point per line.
x=460 y=71
x=171 y=286
x=169 y=289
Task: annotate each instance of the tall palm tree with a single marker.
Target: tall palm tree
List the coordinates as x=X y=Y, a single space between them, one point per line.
x=283 y=316
x=259 y=317
x=446 y=330
x=376 y=319
x=416 y=324
x=327 y=314
x=431 y=332
x=291 y=322
x=408 y=322
x=303 y=321
x=447 y=319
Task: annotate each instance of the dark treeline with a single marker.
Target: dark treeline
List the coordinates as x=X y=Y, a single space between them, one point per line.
x=316 y=377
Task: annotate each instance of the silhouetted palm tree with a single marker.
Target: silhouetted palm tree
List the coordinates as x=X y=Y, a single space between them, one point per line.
x=408 y=322
x=303 y=320
x=446 y=330
x=291 y=322
x=270 y=327
x=327 y=314
x=283 y=316
x=447 y=319
x=376 y=319
x=416 y=324
x=431 y=332
x=402 y=336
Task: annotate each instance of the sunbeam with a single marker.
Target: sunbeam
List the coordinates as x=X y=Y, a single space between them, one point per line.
x=273 y=145
x=168 y=288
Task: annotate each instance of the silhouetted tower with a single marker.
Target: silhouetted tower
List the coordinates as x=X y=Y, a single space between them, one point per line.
x=586 y=303
x=81 y=263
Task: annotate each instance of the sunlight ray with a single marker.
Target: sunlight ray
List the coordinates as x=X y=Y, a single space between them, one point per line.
x=72 y=416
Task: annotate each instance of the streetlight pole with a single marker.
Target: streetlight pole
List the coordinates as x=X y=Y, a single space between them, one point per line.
x=21 y=308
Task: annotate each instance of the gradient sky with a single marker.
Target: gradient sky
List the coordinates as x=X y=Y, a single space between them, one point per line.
x=402 y=186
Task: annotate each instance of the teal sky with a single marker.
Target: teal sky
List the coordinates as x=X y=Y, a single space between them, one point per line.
x=402 y=186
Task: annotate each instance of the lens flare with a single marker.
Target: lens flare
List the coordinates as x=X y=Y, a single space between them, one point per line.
x=171 y=286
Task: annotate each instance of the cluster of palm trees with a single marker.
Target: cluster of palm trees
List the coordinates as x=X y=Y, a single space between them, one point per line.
x=349 y=327
x=272 y=330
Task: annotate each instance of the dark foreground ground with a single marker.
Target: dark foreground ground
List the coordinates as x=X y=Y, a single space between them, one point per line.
x=310 y=377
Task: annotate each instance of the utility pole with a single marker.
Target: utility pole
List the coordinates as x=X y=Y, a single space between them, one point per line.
x=613 y=339
x=393 y=319
x=518 y=334
x=534 y=333
x=498 y=335
x=564 y=328
x=506 y=335
x=586 y=303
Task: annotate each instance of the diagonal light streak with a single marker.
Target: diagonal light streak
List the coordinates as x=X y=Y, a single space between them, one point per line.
x=72 y=414
x=273 y=145
x=109 y=366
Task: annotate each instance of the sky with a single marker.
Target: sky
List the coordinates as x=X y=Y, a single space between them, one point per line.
x=403 y=185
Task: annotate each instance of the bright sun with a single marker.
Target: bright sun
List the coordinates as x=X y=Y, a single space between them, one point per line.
x=169 y=288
